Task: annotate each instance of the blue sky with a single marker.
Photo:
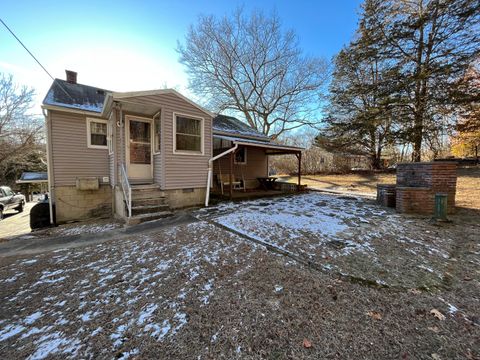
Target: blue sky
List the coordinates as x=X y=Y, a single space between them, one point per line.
x=130 y=45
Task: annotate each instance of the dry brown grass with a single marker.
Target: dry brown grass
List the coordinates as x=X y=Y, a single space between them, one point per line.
x=468 y=184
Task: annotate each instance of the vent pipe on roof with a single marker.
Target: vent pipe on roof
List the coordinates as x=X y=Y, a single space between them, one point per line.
x=71 y=76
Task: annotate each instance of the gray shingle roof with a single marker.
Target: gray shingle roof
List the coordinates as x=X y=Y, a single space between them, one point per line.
x=75 y=96
x=230 y=125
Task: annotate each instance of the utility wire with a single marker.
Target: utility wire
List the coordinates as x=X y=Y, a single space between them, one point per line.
x=33 y=56
x=21 y=43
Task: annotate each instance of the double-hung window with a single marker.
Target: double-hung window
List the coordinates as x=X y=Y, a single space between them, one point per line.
x=97 y=133
x=188 y=134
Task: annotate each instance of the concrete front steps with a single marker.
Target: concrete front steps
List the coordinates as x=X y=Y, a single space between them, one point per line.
x=148 y=203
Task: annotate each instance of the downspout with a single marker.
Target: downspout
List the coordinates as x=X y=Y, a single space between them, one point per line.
x=210 y=167
x=49 y=164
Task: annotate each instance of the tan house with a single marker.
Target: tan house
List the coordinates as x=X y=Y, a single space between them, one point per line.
x=137 y=155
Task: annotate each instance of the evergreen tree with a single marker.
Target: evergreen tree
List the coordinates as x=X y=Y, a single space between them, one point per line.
x=360 y=115
x=432 y=44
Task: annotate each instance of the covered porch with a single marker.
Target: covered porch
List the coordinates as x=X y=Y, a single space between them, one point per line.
x=240 y=169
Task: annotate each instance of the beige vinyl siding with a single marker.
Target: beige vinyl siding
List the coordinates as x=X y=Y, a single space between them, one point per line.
x=178 y=171
x=157 y=169
x=111 y=168
x=71 y=156
x=256 y=166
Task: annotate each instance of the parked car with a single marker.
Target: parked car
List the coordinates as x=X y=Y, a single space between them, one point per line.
x=9 y=200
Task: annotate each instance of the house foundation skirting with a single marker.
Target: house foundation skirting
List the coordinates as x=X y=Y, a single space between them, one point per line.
x=182 y=198
x=72 y=204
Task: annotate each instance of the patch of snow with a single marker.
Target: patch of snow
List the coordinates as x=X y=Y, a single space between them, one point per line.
x=35 y=330
x=29 y=320
x=28 y=262
x=87 y=229
x=10 y=330
x=54 y=343
x=117 y=336
x=127 y=354
x=14 y=277
x=146 y=313
x=159 y=331
x=96 y=331
x=181 y=319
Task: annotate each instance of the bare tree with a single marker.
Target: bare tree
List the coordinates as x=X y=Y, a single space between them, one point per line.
x=249 y=64
x=20 y=132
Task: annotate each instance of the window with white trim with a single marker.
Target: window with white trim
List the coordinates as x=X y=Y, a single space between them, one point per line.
x=97 y=133
x=188 y=134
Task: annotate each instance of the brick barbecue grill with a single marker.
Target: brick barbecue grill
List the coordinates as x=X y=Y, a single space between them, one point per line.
x=417 y=184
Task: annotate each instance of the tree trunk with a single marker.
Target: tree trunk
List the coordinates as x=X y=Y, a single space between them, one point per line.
x=417 y=140
x=375 y=162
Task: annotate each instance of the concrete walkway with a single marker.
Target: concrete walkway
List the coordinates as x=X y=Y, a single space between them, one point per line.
x=28 y=245
x=16 y=223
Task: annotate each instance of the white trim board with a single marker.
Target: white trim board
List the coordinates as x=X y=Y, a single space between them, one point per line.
x=174 y=132
x=127 y=139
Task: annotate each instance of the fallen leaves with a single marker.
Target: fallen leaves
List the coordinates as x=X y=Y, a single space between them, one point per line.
x=375 y=315
x=307 y=344
x=437 y=314
x=435 y=329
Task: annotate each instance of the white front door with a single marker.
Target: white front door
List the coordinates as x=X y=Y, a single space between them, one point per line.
x=139 y=137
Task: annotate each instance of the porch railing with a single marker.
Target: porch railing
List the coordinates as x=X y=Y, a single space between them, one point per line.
x=127 y=189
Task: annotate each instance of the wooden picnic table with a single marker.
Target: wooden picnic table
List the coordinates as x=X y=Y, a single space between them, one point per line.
x=268 y=182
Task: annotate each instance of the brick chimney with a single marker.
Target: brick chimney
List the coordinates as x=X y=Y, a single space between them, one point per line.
x=71 y=76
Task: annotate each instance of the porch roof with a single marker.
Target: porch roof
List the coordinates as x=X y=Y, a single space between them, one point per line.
x=271 y=148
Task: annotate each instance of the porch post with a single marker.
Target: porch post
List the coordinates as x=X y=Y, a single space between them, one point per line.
x=299 y=157
x=231 y=174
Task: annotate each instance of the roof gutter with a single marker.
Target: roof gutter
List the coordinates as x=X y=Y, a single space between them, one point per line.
x=210 y=167
x=268 y=146
x=71 y=110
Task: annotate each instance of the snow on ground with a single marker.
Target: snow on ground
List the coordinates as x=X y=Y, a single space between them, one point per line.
x=108 y=292
x=353 y=236
x=86 y=229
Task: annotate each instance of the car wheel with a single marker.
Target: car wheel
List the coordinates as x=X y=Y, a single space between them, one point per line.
x=1 y=213
x=20 y=208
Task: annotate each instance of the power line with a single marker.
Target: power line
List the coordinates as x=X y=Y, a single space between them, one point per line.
x=21 y=43
x=33 y=56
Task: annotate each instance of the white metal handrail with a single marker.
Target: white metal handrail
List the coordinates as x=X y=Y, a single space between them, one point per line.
x=127 y=189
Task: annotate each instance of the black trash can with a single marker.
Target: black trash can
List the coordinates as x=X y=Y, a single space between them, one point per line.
x=40 y=215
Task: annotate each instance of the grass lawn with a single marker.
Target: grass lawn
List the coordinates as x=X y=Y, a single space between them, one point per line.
x=310 y=276
x=468 y=184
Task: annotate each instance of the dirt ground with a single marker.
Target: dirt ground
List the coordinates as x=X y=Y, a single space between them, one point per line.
x=209 y=290
x=468 y=184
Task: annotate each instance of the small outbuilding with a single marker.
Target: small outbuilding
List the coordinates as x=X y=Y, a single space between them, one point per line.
x=30 y=180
